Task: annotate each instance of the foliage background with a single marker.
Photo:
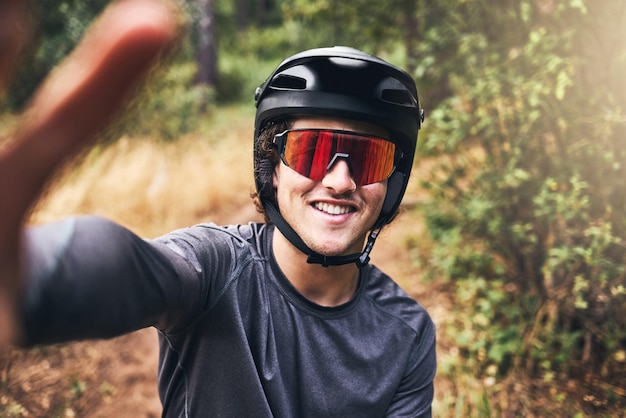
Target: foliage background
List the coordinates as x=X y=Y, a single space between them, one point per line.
x=524 y=139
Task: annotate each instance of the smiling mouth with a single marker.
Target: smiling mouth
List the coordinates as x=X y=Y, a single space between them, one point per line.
x=333 y=209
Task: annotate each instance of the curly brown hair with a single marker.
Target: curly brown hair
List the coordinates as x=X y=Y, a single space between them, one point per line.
x=266 y=156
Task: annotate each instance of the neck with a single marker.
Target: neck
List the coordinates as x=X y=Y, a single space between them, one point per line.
x=326 y=286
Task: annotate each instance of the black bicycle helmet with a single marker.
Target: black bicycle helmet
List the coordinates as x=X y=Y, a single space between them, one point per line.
x=348 y=83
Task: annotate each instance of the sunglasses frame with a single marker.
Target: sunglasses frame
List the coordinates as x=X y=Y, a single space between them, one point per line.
x=280 y=141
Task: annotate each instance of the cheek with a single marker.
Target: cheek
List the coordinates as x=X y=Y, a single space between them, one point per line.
x=375 y=194
x=288 y=179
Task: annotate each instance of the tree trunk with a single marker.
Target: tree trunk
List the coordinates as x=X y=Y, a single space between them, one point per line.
x=207 y=45
x=242 y=15
x=411 y=34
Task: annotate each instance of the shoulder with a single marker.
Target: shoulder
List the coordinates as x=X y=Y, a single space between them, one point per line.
x=409 y=320
x=390 y=299
x=214 y=241
x=200 y=233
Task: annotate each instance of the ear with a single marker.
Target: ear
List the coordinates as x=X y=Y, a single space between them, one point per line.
x=275 y=175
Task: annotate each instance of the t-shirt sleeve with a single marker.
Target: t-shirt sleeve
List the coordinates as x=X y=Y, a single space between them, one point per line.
x=88 y=277
x=415 y=394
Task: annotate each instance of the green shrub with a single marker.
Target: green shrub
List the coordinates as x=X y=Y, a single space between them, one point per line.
x=169 y=106
x=528 y=207
x=239 y=76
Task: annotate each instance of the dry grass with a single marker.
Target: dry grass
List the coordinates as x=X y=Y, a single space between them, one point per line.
x=155 y=186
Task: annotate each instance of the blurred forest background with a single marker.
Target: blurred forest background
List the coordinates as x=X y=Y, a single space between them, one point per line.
x=519 y=180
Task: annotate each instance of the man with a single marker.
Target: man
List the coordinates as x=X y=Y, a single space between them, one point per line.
x=254 y=320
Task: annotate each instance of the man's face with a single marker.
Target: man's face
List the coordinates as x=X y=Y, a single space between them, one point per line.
x=332 y=216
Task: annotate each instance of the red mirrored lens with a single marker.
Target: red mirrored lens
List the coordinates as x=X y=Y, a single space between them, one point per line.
x=311 y=151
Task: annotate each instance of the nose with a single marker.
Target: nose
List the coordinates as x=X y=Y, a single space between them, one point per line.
x=339 y=178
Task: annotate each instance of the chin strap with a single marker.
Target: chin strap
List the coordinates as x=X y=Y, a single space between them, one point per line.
x=360 y=259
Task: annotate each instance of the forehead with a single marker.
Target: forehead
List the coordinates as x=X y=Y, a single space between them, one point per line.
x=321 y=122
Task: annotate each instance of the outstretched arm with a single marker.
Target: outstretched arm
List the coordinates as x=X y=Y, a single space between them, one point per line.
x=72 y=106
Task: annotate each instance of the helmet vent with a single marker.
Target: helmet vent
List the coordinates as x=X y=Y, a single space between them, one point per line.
x=288 y=82
x=400 y=97
x=348 y=62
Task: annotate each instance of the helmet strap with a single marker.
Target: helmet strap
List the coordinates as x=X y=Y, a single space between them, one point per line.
x=361 y=259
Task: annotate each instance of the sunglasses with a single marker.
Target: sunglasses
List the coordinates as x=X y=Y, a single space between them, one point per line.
x=313 y=152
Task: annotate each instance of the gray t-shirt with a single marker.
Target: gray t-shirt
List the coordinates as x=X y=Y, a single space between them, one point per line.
x=236 y=338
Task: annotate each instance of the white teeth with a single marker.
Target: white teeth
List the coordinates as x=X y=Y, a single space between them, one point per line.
x=332 y=209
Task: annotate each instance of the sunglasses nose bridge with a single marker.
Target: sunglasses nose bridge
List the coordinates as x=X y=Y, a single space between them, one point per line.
x=337 y=177
x=337 y=157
